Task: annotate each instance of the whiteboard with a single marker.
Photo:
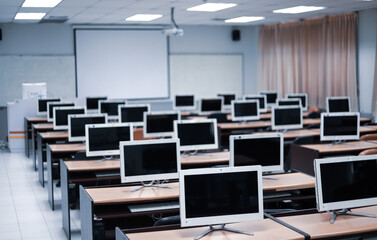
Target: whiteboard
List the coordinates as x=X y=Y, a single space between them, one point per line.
x=206 y=75
x=58 y=72
x=122 y=63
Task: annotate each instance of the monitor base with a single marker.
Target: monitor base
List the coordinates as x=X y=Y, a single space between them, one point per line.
x=105 y=158
x=270 y=178
x=221 y=228
x=154 y=183
x=340 y=142
x=347 y=212
x=196 y=152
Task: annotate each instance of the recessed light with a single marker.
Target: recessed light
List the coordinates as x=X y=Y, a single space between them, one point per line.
x=244 y=19
x=211 y=7
x=143 y=17
x=41 y=3
x=29 y=16
x=298 y=9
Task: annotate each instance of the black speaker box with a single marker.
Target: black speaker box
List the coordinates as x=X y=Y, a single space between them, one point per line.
x=1 y=36
x=236 y=35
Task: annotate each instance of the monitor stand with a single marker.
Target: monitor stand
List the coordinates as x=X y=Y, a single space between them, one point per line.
x=346 y=211
x=105 y=158
x=196 y=152
x=221 y=228
x=340 y=142
x=154 y=183
x=283 y=130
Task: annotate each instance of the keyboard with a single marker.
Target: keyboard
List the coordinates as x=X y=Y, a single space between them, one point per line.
x=149 y=207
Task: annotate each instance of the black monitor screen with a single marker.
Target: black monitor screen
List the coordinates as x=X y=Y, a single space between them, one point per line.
x=51 y=107
x=340 y=125
x=61 y=117
x=270 y=97
x=210 y=105
x=107 y=138
x=253 y=151
x=111 y=108
x=287 y=116
x=92 y=102
x=42 y=103
x=345 y=181
x=78 y=124
x=196 y=133
x=227 y=98
x=289 y=103
x=245 y=109
x=184 y=101
x=143 y=159
x=160 y=123
x=260 y=99
x=221 y=194
x=338 y=105
x=132 y=114
x=302 y=97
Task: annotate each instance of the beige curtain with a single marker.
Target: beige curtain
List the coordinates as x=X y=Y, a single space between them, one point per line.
x=314 y=56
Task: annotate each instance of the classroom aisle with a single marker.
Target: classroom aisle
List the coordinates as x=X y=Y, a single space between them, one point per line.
x=24 y=209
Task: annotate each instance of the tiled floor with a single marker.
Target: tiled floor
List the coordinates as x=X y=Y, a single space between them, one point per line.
x=24 y=209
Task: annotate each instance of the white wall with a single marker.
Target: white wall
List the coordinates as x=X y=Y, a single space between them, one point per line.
x=367 y=57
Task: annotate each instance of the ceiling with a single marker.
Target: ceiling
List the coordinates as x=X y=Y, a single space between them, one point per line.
x=115 y=11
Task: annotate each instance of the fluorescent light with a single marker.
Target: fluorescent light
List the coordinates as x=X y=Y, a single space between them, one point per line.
x=29 y=16
x=143 y=17
x=41 y=3
x=211 y=7
x=298 y=9
x=244 y=19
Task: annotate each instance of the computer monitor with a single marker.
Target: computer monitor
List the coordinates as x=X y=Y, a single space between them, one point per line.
x=149 y=160
x=262 y=101
x=340 y=126
x=76 y=125
x=103 y=139
x=110 y=107
x=289 y=102
x=302 y=96
x=61 y=116
x=271 y=96
x=133 y=113
x=52 y=105
x=196 y=134
x=216 y=196
x=227 y=99
x=184 y=102
x=266 y=150
x=160 y=124
x=338 y=104
x=245 y=110
x=343 y=183
x=42 y=104
x=210 y=105
x=92 y=102
x=288 y=117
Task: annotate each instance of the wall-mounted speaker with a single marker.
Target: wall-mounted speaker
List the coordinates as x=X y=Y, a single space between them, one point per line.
x=236 y=35
x=1 y=36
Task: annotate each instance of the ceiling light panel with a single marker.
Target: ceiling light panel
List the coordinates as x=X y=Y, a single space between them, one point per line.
x=29 y=16
x=41 y=3
x=244 y=19
x=298 y=9
x=143 y=17
x=211 y=7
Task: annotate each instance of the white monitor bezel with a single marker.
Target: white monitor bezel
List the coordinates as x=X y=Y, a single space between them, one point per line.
x=345 y=137
x=279 y=167
x=149 y=177
x=45 y=112
x=245 y=118
x=214 y=220
x=97 y=109
x=215 y=145
x=184 y=108
x=48 y=109
x=81 y=138
x=337 y=98
x=289 y=100
x=375 y=113
x=321 y=206
x=133 y=106
x=159 y=134
x=209 y=112
x=111 y=117
x=65 y=127
x=224 y=106
x=299 y=95
x=284 y=127
x=261 y=110
x=107 y=125
x=267 y=92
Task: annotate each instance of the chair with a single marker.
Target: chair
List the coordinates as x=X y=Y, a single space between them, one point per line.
x=313 y=125
x=372 y=136
x=314 y=112
x=168 y=221
x=368 y=152
x=220 y=117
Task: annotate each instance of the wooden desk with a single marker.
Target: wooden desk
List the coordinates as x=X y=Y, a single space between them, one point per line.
x=262 y=229
x=309 y=121
x=28 y=121
x=289 y=181
x=35 y=128
x=302 y=156
x=209 y=159
x=318 y=225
